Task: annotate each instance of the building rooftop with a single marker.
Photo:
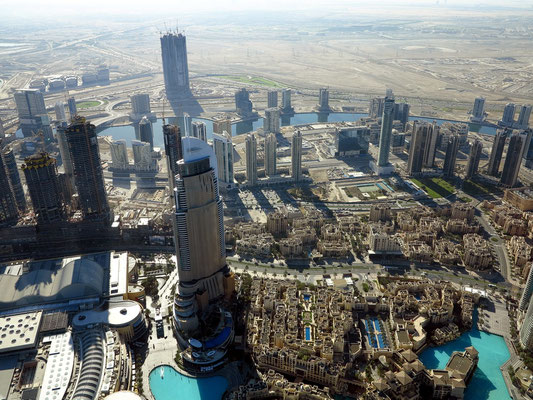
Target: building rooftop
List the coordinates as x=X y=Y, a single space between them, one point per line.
x=113 y=314
x=18 y=332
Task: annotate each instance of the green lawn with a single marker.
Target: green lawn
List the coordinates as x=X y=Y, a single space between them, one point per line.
x=255 y=80
x=435 y=187
x=87 y=104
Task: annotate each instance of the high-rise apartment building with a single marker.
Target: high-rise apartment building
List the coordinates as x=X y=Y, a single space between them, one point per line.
x=478 y=112
x=513 y=159
x=476 y=149
x=175 y=66
x=431 y=144
x=272 y=100
x=32 y=113
x=375 y=107
x=14 y=177
x=271 y=120
x=251 y=159
x=386 y=132
x=146 y=132
x=296 y=156
x=271 y=144
x=222 y=125
x=223 y=147
x=59 y=109
x=323 y=100
x=422 y=133
x=88 y=176
x=140 y=104
x=496 y=152
x=8 y=207
x=173 y=150
x=523 y=117
x=451 y=156
x=243 y=105
x=45 y=190
x=508 y=115
x=142 y=156
x=199 y=130
x=286 y=106
x=72 y=108
x=119 y=154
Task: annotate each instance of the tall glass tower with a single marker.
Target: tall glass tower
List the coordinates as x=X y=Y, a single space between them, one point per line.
x=386 y=131
x=175 y=66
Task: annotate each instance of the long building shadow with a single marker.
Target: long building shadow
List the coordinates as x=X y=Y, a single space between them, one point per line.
x=189 y=105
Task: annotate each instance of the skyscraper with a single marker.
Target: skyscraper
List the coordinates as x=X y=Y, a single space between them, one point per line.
x=45 y=190
x=478 y=112
x=119 y=154
x=272 y=99
x=173 y=150
x=270 y=154
x=72 y=109
x=496 y=152
x=451 y=156
x=222 y=125
x=8 y=206
x=64 y=151
x=421 y=134
x=146 y=132
x=523 y=117
x=431 y=144
x=508 y=115
x=286 y=106
x=198 y=236
x=528 y=291
x=59 y=109
x=84 y=153
x=401 y=113
x=323 y=100
x=14 y=178
x=251 y=159
x=223 y=147
x=199 y=130
x=142 y=156
x=271 y=121
x=386 y=132
x=140 y=104
x=513 y=159
x=375 y=107
x=243 y=105
x=476 y=149
x=2 y=130
x=526 y=330
x=175 y=66
x=296 y=156
x=32 y=113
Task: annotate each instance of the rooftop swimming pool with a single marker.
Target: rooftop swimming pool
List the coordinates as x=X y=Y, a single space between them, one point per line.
x=307 y=333
x=487 y=382
x=168 y=384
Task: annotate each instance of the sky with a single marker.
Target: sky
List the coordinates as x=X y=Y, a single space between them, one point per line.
x=49 y=8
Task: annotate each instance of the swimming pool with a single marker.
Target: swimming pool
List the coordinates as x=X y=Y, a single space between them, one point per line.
x=307 y=333
x=487 y=382
x=168 y=384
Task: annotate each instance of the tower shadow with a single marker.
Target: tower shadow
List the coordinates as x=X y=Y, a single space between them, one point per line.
x=185 y=104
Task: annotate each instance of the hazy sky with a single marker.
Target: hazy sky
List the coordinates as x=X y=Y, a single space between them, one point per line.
x=46 y=8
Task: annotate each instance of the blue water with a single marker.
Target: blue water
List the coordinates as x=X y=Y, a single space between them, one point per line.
x=307 y=333
x=487 y=382
x=307 y=297
x=174 y=385
x=127 y=132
